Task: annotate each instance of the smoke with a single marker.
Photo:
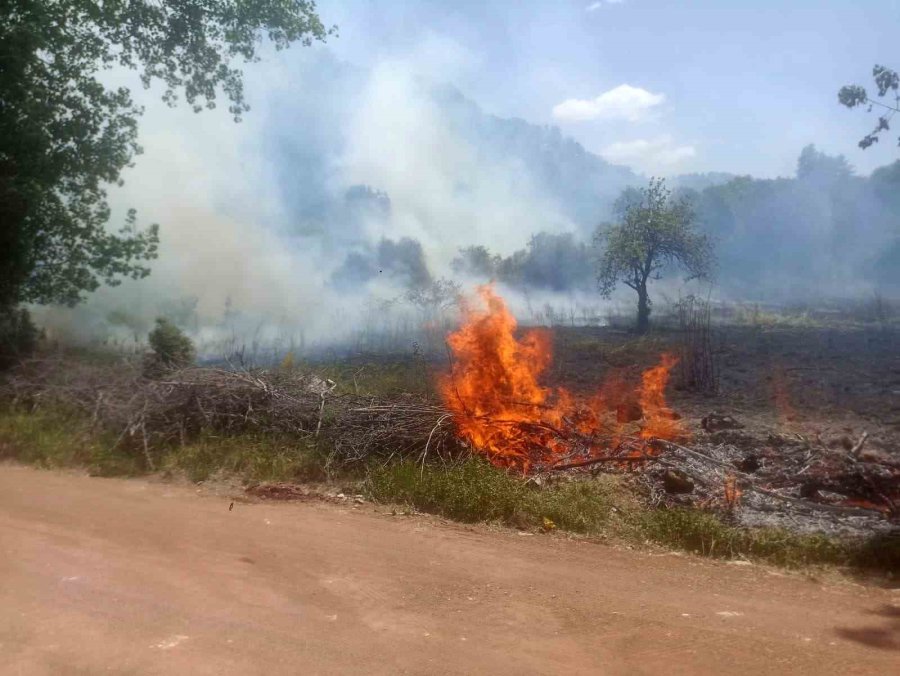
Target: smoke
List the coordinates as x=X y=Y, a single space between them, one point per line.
x=443 y=189
x=345 y=187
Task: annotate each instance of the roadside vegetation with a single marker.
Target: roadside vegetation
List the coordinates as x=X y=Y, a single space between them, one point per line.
x=469 y=490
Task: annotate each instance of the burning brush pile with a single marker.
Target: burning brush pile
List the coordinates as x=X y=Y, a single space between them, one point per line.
x=500 y=409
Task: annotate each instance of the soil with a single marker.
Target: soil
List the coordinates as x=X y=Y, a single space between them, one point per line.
x=137 y=576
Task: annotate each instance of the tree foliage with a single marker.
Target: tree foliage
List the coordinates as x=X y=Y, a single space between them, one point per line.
x=887 y=82
x=65 y=136
x=552 y=261
x=654 y=232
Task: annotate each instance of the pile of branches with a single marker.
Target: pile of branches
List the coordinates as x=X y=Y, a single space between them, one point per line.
x=404 y=426
x=149 y=415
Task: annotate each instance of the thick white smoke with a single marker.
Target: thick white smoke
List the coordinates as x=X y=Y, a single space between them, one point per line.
x=229 y=236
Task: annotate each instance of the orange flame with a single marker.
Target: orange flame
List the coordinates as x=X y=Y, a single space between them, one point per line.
x=733 y=492
x=782 y=397
x=661 y=421
x=503 y=411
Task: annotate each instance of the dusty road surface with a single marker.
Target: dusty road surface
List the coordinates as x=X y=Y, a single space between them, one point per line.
x=136 y=577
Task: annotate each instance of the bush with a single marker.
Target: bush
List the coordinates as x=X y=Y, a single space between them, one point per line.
x=18 y=336
x=171 y=348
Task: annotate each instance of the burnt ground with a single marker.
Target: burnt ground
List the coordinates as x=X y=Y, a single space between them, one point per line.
x=826 y=383
x=801 y=399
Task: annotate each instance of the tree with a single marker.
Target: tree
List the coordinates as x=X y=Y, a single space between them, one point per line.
x=654 y=232
x=888 y=83
x=817 y=167
x=65 y=136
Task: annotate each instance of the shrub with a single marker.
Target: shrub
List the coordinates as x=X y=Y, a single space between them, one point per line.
x=171 y=348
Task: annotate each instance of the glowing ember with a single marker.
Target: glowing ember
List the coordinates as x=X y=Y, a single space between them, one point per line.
x=502 y=410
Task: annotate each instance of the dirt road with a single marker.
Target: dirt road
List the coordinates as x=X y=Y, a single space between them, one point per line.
x=120 y=576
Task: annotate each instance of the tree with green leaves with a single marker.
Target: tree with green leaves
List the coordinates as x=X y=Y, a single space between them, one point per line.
x=887 y=81
x=654 y=232
x=65 y=136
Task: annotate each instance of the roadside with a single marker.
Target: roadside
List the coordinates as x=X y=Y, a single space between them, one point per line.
x=147 y=577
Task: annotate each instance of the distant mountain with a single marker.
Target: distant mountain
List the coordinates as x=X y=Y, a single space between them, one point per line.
x=305 y=138
x=584 y=184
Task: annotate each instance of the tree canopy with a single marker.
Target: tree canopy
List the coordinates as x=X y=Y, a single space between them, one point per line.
x=654 y=231
x=887 y=81
x=65 y=136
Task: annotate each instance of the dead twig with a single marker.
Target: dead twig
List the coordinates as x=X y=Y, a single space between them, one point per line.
x=858 y=446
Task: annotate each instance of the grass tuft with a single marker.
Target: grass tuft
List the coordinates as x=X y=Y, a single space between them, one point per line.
x=252 y=457
x=705 y=534
x=55 y=439
x=475 y=490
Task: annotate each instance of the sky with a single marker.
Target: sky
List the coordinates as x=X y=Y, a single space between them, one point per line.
x=661 y=86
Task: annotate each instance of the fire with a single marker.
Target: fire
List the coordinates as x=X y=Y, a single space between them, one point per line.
x=661 y=421
x=782 y=397
x=493 y=388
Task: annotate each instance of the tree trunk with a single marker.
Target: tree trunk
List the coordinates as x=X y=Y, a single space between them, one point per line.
x=643 y=315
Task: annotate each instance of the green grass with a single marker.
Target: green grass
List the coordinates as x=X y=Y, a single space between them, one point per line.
x=705 y=534
x=474 y=490
x=758 y=318
x=377 y=377
x=55 y=439
x=251 y=457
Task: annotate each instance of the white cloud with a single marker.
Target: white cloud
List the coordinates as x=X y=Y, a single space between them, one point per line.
x=622 y=103
x=649 y=154
x=594 y=6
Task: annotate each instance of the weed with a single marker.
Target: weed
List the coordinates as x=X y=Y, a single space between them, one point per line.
x=252 y=457
x=468 y=491
x=58 y=439
x=704 y=533
x=475 y=490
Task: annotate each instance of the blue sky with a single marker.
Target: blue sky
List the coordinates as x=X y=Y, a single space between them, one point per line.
x=709 y=85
